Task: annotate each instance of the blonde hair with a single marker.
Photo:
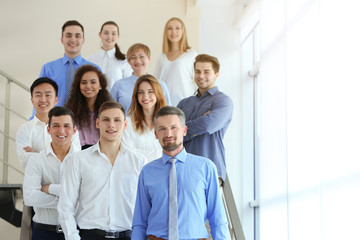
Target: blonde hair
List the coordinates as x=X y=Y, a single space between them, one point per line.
x=135 y=47
x=184 y=45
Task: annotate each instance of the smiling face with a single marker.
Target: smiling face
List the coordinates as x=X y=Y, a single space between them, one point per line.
x=139 y=62
x=170 y=133
x=61 y=130
x=146 y=96
x=90 y=85
x=205 y=76
x=109 y=35
x=174 y=31
x=73 y=40
x=43 y=98
x=111 y=123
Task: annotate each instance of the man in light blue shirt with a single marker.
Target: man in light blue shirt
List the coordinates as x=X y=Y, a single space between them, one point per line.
x=208 y=114
x=138 y=56
x=198 y=194
x=73 y=39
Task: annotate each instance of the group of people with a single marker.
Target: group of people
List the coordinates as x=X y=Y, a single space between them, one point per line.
x=107 y=156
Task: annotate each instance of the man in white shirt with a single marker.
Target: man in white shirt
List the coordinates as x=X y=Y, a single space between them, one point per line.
x=32 y=136
x=44 y=172
x=101 y=181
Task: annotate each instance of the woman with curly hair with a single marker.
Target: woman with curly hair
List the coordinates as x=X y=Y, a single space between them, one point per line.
x=147 y=99
x=88 y=92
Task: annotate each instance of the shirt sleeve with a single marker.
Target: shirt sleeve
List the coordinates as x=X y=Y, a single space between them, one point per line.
x=113 y=92
x=68 y=199
x=33 y=196
x=166 y=93
x=22 y=140
x=127 y=71
x=219 y=116
x=75 y=142
x=141 y=212
x=55 y=189
x=215 y=208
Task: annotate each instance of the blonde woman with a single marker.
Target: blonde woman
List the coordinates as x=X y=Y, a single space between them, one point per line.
x=175 y=65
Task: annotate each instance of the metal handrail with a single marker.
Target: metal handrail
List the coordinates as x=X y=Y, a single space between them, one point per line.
x=6 y=133
x=11 y=79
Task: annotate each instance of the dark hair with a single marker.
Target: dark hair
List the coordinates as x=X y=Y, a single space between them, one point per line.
x=207 y=58
x=44 y=80
x=111 y=105
x=170 y=110
x=72 y=23
x=77 y=102
x=118 y=54
x=60 y=111
x=136 y=110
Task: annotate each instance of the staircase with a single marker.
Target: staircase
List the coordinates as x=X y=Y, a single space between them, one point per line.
x=9 y=193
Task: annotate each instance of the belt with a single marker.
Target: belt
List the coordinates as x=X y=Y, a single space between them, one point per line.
x=109 y=234
x=47 y=227
x=152 y=237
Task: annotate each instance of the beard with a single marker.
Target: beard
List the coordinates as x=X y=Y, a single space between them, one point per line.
x=171 y=146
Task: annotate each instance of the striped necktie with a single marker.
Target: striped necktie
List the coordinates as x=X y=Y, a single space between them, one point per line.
x=173 y=207
x=69 y=79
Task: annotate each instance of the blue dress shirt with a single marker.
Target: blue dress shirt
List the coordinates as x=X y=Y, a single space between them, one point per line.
x=206 y=131
x=56 y=70
x=198 y=199
x=122 y=91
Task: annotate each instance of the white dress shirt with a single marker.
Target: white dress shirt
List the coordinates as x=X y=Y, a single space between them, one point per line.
x=178 y=75
x=34 y=134
x=105 y=193
x=44 y=168
x=146 y=143
x=113 y=68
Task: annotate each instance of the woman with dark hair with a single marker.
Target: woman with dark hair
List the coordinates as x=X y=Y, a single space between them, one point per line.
x=88 y=92
x=111 y=60
x=175 y=65
x=147 y=99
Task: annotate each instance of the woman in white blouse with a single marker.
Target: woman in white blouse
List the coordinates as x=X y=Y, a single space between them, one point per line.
x=110 y=59
x=175 y=65
x=147 y=99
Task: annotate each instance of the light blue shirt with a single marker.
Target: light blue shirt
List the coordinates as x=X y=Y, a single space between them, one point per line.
x=57 y=69
x=206 y=132
x=198 y=199
x=122 y=91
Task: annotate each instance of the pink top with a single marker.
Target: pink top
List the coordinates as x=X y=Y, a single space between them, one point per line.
x=89 y=135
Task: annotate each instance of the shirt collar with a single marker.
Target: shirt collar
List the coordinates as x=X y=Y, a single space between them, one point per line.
x=49 y=150
x=211 y=91
x=181 y=156
x=96 y=148
x=110 y=53
x=37 y=121
x=77 y=59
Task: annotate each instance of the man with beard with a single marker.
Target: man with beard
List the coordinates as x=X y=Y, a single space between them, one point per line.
x=179 y=191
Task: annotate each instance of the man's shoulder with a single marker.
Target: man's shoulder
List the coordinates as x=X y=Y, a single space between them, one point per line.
x=186 y=100
x=53 y=62
x=200 y=160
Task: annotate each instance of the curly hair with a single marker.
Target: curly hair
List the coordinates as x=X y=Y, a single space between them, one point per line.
x=77 y=102
x=136 y=111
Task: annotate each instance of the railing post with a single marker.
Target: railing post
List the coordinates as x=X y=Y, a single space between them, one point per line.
x=7 y=132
